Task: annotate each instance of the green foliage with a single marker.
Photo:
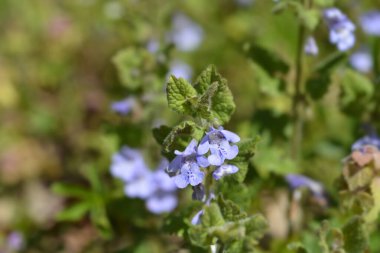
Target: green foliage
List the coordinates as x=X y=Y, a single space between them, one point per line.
x=181 y=95
x=178 y=137
x=355 y=236
x=228 y=226
x=209 y=98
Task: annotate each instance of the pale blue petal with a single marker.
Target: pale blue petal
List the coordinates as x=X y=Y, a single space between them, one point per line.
x=224 y=170
x=204 y=146
x=230 y=136
x=162 y=203
x=202 y=161
x=175 y=165
x=190 y=148
x=196 y=220
x=195 y=175
x=181 y=181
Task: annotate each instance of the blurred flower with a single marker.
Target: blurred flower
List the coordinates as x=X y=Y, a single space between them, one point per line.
x=368 y=140
x=341 y=29
x=152 y=46
x=15 y=241
x=155 y=187
x=180 y=69
x=311 y=47
x=128 y=164
x=297 y=181
x=58 y=26
x=370 y=22
x=218 y=142
x=361 y=60
x=185 y=166
x=223 y=170
x=186 y=34
x=124 y=106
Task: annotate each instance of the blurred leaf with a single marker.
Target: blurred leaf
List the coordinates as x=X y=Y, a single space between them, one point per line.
x=181 y=95
x=329 y=63
x=375 y=190
x=355 y=86
x=268 y=60
x=309 y=18
x=160 y=133
x=181 y=135
x=229 y=210
x=268 y=85
x=355 y=237
x=75 y=212
x=212 y=216
x=70 y=190
x=317 y=85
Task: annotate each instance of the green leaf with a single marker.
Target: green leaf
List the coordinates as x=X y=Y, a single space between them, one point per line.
x=229 y=210
x=324 y=3
x=329 y=63
x=297 y=248
x=69 y=190
x=181 y=95
x=268 y=85
x=181 y=135
x=355 y=86
x=317 y=85
x=360 y=179
x=160 y=133
x=355 y=237
x=212 y=216
x=75 y=212
x=215 y=98
x=375 y=190
x=268 y=60
x=309 y=18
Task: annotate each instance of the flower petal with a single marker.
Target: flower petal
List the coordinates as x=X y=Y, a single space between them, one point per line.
x=202 y=161
x=162 y=203
x=175 y=165
x=181 y=180
x=204 y=146
x=223 y=170
x=195 y=175
x=230 y=136
x=190 y=149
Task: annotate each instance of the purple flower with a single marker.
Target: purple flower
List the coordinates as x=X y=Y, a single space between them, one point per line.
x=297 y=181
x=186 y=166
x=15 y=241
x=155 y=187
x=370 y=22
x=368 y=140
x=218 y=142
x=186 y=34
x=180 y=69
x=128 y=164
x=223 y=170
x=361 y=60
x=124 y=106
x=311 y=47
x=153 y=46
x=341 y=29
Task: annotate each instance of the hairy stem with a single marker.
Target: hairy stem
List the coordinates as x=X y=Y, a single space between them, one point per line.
x=298 y=98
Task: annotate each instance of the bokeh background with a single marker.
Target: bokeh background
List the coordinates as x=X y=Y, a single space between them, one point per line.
x=63 y=64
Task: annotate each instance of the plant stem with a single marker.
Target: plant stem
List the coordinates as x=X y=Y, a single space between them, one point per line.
x=298 y=98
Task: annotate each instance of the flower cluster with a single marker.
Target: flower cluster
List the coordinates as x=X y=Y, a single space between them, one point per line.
x=155 y=187
x=186 y=166
x=368 y=140
x=341 y=29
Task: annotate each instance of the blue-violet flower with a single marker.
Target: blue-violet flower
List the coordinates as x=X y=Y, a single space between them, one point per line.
x=341 y=29
x=311 y=47
x=370 y=23
x=218 y=142
x=361 y=60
